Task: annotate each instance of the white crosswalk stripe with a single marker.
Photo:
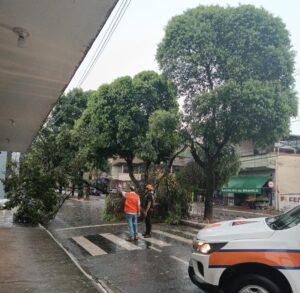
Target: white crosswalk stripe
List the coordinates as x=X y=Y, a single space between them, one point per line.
x=185 y=232
x=89 y=246
x=182 y=239
x=91 y=226
x=119 y=241
x=155 y=241
x=156 y=249
x=179 y=259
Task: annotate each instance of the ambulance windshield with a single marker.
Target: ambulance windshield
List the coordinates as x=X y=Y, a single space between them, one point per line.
x=286 y=220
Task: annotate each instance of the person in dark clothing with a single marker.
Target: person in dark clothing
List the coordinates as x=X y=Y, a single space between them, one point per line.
x=148 y=210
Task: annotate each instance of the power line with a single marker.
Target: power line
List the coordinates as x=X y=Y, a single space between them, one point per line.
x=112 y=26
x=102 y=44
x=104 y=41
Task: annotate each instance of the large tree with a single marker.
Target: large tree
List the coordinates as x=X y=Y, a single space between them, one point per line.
x=234 y=67
x=118 y=116
x=54 y=158
x=72 y=155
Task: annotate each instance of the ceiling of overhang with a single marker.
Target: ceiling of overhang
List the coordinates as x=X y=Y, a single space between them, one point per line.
x=36 y=67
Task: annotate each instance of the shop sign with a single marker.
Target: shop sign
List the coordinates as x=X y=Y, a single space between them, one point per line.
x=288 y=201
x=242 y=190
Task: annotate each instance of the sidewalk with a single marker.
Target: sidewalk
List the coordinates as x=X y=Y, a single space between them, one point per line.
x=31 y=261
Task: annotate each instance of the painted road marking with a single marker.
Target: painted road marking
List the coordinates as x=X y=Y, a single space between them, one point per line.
x=179 y=259
x=91 y=226
x=156 y=249
x=155 y=241
x=182 y=239
x=119 y=241
x=184 y=232
x=87 y=245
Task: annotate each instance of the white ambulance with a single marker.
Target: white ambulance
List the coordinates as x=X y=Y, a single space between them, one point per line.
x=260 y=255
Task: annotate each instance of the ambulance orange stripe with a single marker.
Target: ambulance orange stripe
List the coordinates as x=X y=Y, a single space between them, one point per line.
x=275 y=259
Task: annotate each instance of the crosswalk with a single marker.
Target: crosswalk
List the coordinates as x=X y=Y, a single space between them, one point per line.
x=193 y=234
x=89 y=246
x=119 y=241
x=157 y=242
x=179 y=238
x=105 y=243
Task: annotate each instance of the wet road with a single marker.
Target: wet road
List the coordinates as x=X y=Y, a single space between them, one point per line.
x=157 y=264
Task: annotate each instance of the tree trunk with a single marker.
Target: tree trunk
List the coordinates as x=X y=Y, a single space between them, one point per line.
x=87 y=192
x=129 y=162
x=146 y=173
x=80 y=186
x=80 y=191
x=73 y=189
x=208 y=205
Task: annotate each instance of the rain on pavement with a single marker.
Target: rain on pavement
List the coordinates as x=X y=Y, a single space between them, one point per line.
x=157 y=264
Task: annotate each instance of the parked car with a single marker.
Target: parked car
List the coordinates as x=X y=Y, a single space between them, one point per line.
x=113 y=190
x=249 y=255
x=3 y=203
x=100 y=186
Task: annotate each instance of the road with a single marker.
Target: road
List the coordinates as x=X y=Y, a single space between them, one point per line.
x=157 y=264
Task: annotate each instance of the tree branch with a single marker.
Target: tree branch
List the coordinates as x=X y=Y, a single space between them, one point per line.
x=170 y=164
x=221 y=145
x=195 y=155
x=129 y=162
x=208 y=74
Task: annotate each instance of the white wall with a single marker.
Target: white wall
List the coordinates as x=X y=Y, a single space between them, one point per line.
x=115 y=170
x=288 y=174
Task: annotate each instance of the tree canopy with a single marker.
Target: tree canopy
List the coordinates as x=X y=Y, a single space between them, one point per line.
x=234 y=66
x=207 y=46
x=118 y=115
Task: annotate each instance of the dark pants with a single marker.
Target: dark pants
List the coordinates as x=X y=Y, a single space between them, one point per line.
x=148 y=222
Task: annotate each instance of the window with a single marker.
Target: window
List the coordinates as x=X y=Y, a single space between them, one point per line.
x=286 y=220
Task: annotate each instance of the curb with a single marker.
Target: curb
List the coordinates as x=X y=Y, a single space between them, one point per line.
x=260 y=213
x=99 y=284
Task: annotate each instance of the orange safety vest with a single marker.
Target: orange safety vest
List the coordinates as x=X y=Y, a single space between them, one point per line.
x=131 y=203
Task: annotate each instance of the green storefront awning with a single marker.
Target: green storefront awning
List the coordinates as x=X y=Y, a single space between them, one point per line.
x=245 y=184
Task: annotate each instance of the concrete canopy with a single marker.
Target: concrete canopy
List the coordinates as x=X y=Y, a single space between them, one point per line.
x=42 y=43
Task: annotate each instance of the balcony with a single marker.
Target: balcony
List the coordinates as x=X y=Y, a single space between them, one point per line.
x=267 y=161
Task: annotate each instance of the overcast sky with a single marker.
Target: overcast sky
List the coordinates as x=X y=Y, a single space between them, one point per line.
x=133 y=44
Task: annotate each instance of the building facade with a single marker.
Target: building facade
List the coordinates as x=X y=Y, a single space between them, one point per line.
x=267 y=177
x=120 y=174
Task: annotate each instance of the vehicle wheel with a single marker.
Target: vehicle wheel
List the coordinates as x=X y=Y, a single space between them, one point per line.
x=253 y=284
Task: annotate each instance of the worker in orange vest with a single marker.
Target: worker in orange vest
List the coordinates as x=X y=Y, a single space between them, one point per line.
x=132 y=211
